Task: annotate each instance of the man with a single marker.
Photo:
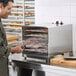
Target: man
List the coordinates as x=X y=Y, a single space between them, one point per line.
x=5 y=10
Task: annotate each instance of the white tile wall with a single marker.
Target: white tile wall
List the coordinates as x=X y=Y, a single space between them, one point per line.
x=48 y=11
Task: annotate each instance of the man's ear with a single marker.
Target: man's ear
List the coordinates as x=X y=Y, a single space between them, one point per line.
x=0 y=5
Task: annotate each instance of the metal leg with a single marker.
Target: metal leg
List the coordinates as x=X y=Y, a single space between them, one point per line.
x=38 y=73
x=24 y=72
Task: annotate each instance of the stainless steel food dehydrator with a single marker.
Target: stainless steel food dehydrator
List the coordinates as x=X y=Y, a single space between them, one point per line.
x=44 y=41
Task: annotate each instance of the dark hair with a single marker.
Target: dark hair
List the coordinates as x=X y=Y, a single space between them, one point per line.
x=5 y=2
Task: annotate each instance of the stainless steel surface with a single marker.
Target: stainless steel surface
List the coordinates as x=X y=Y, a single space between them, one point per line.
x=69 y=55
x=72 y=54
x=74 y=40
x=60 y=39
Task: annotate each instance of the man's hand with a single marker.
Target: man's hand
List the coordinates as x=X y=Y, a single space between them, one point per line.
x=16 y=49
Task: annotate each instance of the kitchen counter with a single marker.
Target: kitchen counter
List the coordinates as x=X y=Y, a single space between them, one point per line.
x=21 y=63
